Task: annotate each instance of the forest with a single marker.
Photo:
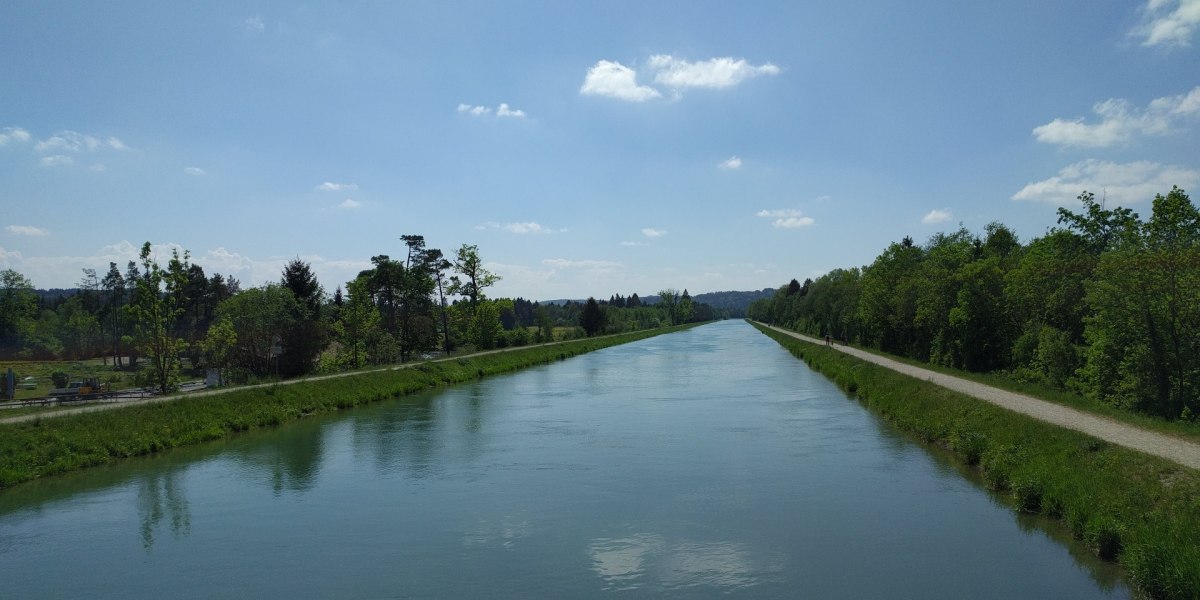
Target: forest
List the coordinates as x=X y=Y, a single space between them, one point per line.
x=1106 y=304
x=165 y=321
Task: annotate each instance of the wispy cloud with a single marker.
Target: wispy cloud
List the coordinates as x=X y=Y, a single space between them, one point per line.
x=615 y=80
x=714 y=73
x=597 y=265
x=474 y=110
x=503 y=111
x=1121 y=122
x=732 y=163
x=57 y=160
x=29 y=230
x=1121 y=183
x=652 y=233
x=73 y=141
x=330 y=186
x=1169 y=23
x=254 y=24
x=194 y=171
x=349 y=203
x=13 y=134
x=937 y=216
x=786 y=218
x=527 y=227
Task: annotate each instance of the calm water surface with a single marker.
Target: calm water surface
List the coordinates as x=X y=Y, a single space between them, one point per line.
x=696 y=464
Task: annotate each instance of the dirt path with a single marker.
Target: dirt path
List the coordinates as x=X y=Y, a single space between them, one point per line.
x=1175 y=449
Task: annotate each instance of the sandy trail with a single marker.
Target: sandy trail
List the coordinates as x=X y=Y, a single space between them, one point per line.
x=1172 y=448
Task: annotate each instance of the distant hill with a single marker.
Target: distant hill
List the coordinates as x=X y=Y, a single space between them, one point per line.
x=733 y=303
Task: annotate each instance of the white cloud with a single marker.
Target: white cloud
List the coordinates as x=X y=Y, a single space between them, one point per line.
x=633 y=244
x=63 y=271
x=1120 y=183
x=505 y=111
x=98 y=168
x=786 y=218
x=793 y=222
x=254 y=24
x=591 y=265
x=349 y=203
x=502 y=111
x=779 y=213
x=653 y=233
x=731 y=163
x=714 y=73
x=73 y=141
x=1121 y=122
x=27 y=230
x=13 y=134
x=474 y=110
x=330 y=186
x=528 y=227
x=1169 y=22
x=937 y=216
x=58 y=160
x=615 y=80
x=194 y=171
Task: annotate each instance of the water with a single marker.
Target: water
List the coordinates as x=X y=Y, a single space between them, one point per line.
x=698 y=464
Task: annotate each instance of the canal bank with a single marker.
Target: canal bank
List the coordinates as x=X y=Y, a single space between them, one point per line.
x=1139 y=510
x=40 y=447
x=707 y=464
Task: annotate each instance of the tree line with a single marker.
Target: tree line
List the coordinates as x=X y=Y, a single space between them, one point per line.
x=1105 y=304
x=160 y=320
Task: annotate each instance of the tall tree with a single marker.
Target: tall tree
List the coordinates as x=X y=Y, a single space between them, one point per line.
x=18 y=307
x=591 y=319
x=155 y=309
x=111 y=315
x=303 y=341
x=669 y=302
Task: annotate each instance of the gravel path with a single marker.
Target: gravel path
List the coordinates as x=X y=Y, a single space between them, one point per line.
x=1175 y=449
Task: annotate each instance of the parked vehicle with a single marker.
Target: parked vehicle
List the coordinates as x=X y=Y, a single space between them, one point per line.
x=81 y=390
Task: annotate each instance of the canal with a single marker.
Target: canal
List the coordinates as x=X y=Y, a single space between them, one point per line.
x=697 y=464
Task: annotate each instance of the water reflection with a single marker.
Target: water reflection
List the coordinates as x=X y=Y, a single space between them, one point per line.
x=291 y=463
x=651 y=560
x=162 y=496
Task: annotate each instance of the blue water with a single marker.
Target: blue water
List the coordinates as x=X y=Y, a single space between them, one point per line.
x=697 y=464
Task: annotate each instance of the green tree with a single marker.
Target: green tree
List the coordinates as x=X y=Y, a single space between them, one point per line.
x=154 y=310
x=669 y=302
x=220 y=347
x=359 y=319
x=18 y=308
x=304 y=340
x=1145 y=297
x=592 y=319
x=261 y=317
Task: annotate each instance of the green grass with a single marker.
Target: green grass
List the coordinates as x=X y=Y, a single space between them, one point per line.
x=1140 y=511
x=57 y=445
x=1049 y=393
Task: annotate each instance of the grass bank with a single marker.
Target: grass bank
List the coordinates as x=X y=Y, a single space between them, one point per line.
x=57 y=445
x=1140 y=511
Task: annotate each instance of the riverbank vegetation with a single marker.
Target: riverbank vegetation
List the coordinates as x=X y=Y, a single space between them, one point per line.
x=50 y=446
x=160 y=322
x=1140 y=511
x=1106 y=306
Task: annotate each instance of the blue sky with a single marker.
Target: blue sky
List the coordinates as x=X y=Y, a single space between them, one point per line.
x=586 y=148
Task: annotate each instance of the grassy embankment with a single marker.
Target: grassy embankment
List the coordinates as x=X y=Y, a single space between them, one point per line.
x=56 y=445
x=1140 y=511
